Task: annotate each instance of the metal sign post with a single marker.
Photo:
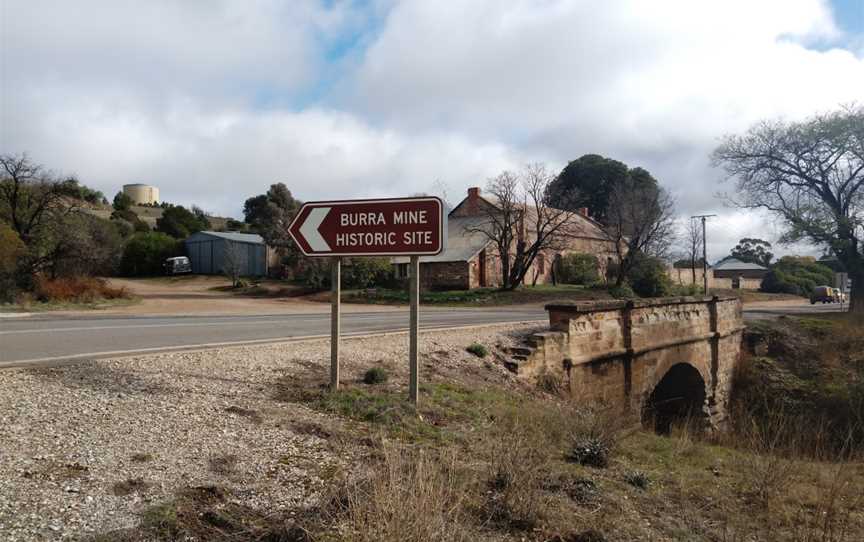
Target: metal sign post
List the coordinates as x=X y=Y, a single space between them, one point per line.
x=387 y=227
x=413 y=328
x=335 y=322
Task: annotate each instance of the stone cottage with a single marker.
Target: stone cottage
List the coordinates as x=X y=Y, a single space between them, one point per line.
x=470 y=260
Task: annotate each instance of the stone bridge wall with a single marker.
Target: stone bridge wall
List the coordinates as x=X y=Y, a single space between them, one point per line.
x=618 y=351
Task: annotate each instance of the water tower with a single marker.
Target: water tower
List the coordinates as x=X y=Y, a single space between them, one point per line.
x=141 y=194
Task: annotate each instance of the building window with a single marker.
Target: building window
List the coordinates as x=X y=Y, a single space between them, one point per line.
x=402 y=271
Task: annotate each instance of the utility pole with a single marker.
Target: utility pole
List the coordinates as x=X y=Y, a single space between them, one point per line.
x=704 y=218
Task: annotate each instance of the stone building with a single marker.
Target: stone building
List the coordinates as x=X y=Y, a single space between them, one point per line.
x=470 y=260
x=730 y=273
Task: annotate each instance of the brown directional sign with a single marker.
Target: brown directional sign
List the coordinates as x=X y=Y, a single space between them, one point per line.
x=382 y=227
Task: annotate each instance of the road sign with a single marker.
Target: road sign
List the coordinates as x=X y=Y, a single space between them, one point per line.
x=383 y=227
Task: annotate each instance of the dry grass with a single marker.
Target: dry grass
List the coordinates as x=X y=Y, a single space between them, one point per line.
x=480 y=462
x=77 y=290
x=409 y=496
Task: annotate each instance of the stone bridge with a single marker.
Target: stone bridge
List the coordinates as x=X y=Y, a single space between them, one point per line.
x=658 y=359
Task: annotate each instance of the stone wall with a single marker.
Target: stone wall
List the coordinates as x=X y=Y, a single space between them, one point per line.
x=683 y=276
x=444 y=276
x=618 y=351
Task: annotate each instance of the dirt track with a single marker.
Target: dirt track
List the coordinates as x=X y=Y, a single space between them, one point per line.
x=196 y=295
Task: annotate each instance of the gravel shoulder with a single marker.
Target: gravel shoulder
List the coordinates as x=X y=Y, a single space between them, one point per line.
x=87 y=448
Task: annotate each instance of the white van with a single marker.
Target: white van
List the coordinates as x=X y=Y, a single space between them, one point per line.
x=177 y=265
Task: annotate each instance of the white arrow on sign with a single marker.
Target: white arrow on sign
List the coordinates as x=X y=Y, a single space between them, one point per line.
x=309 y=229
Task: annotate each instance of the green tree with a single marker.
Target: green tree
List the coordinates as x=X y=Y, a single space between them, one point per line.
x=270 y=214
x=590 y=179
x=811 y=175
x=122 y=201
x=179 y=222
x=145 y=253
x=797 y=275
x=753 y=251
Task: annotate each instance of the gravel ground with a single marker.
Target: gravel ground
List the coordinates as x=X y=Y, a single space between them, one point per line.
x=166 y=422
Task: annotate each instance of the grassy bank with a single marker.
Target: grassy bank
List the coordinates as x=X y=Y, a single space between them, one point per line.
x=483 y=461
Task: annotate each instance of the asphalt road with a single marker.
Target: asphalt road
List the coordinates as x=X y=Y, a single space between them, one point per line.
x=47 y=339
x=761 y=313
x=44 y=339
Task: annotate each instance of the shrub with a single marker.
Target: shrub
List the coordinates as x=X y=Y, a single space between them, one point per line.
x=648 y=277
x=314 y=273
x=686 y=289
x=376 y=375
x=796 y=275
x=145 y=253
x=577 y=269
x=85 y=245
x=478 y=350
x=12 y=251
x=637 y=479
x=622 y=292
x=590 y=451
x=76 y=289
x=366 y=272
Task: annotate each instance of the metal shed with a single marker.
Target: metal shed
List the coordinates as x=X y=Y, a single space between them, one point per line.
x=207 y=252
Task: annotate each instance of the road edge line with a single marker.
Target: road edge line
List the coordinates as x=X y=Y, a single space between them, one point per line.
x=121 y=354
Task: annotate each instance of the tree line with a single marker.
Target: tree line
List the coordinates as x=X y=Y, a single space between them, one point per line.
x=808 y=173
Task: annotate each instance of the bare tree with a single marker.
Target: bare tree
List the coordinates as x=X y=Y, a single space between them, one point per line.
x=520 y=222
x=37 y=205
x=692 y=238
x=232 y=261
x=30 y=195
x=640 y=221
x=810 y=174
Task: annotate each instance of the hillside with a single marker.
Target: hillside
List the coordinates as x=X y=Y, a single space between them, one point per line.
x=151 y=214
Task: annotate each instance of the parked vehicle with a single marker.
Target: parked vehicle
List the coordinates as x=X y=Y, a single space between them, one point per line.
x=840 y=295
x=823 y=294
x=178 y=265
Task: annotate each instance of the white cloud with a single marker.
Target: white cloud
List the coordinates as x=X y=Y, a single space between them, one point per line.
x=207 y=99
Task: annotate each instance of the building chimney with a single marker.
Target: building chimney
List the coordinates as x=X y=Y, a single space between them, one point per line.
x=473 y=199
x=584 y=212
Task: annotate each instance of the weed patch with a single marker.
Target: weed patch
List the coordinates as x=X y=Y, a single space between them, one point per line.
x=376 y=375
x=478 y=350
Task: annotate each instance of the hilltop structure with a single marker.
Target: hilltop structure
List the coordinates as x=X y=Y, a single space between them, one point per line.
x=141 y=194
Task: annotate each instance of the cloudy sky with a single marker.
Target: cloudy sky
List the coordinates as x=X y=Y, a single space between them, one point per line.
x=212 y=101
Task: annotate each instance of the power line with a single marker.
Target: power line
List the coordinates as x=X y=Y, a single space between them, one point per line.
x=704 y=218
